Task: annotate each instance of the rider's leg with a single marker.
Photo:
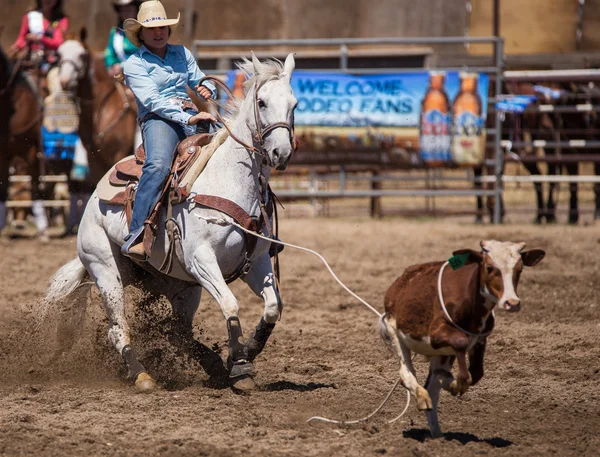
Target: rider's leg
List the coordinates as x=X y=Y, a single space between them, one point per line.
x=160 y=140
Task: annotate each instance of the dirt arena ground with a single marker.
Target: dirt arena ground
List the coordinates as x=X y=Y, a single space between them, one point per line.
x=539 y=396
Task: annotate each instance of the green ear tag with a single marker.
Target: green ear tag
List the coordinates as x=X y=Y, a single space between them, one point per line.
x=458 y=261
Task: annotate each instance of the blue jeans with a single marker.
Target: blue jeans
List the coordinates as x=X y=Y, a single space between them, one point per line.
x=160 y=141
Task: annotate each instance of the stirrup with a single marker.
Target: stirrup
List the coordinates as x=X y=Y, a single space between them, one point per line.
x=275 y=248
x=131 y=240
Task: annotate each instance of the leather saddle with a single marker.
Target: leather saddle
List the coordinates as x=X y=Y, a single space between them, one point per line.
x=130 y=171
x=189 y=162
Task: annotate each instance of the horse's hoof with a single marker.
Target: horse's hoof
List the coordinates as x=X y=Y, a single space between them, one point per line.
x=144 y=383
x=243 y=384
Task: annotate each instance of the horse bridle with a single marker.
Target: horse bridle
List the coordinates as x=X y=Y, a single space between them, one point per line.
x=80 y=69
x=261 y=132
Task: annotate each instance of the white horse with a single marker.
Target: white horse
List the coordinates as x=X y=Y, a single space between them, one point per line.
x=261 y=138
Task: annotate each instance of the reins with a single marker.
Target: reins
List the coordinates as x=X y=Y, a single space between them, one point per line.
x=261 y=132
x=11 y=78
x=126 y=107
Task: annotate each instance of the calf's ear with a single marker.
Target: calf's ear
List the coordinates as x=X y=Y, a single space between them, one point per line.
x=533 y=257
x=474 y=256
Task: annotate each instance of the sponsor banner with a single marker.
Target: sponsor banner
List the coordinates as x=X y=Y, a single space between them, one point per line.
x=409 y=110
x=334 y=99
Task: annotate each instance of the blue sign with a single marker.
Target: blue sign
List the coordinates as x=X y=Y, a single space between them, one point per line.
x=548 y=92
x=385 y=100
x=515 y=103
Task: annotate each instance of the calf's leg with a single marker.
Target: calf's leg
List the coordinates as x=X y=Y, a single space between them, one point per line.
x=476 y=361
x=463 y=380
x=444 y=335
x=407 y=372
x=440 y=377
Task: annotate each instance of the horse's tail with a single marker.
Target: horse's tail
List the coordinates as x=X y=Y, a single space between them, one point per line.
x=65 y=281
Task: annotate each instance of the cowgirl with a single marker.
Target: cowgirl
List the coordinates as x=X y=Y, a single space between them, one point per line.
x=158 y=74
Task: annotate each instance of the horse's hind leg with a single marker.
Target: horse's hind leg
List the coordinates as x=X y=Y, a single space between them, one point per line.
x=553 y=187
x=262 y=282
x=99 y=256
x=534 y=170
x=477 y=172
x=572 y=170
x=205 y=269
x=3 y=181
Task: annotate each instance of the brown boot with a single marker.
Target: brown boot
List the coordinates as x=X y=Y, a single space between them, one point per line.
x=137 y=252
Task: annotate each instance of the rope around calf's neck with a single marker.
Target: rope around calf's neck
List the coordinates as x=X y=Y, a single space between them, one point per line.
x=223 y=221
x=443 y=306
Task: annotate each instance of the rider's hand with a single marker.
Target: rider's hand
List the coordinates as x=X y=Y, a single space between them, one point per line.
x=115 y=70
x=13 y=51
x=201 y=117
x=204 y=92
x=33 y=37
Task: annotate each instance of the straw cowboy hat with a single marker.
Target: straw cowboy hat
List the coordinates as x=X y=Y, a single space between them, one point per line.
x=151 y=14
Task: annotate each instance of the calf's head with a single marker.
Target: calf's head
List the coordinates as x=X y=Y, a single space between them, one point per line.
x=501 y=264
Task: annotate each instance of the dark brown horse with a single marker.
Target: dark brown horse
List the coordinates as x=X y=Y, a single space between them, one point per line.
x=20 y=124
x=550 y=126
x=557 y=127
x=580 y=125
x=108 y=117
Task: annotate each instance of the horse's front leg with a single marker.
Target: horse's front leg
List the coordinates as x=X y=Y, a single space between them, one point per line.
x=205 y=268
x=261 y=280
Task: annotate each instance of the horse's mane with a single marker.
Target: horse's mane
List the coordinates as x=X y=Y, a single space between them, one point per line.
x=269 y=69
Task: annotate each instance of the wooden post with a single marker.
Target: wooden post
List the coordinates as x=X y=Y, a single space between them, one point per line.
x=376 y=210
x=91 y=27
x=496 y=25
x=189 y=20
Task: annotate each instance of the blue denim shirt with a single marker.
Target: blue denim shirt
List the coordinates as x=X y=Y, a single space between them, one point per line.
x=155 y=82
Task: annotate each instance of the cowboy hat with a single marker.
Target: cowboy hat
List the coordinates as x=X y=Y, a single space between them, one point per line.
x=151 y=14
x=118 y=3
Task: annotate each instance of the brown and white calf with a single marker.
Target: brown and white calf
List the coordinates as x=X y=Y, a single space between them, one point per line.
x=415 y=320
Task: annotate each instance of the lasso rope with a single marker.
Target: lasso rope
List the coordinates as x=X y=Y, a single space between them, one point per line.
x=223 y=221
x=443 y=306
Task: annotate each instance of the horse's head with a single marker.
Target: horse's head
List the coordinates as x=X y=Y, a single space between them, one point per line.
x=272 y=100
x=73 y=62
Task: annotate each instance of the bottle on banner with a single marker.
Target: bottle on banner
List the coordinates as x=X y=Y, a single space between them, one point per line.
x=467 y=124
x=435 y=123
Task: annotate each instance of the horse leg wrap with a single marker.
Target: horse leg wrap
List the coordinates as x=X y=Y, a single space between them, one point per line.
x=259 y=338
x=134 y=367
x=238 y=361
